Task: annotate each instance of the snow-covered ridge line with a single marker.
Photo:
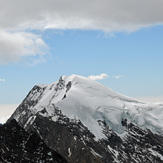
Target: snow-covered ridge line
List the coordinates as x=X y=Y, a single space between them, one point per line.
x=88 y=101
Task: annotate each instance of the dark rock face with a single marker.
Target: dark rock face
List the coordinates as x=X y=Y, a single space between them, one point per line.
x=67 y=137
x=17 y=146
x=141 y=145
x=71 y=139
x=77 y=144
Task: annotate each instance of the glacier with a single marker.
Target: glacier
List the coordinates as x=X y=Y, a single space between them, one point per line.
x=83 y=99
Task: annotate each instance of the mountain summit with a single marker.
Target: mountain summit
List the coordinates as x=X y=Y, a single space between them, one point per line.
x=85 y=121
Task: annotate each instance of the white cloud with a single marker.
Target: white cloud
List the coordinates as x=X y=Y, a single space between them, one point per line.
x=150 y=99
x=106 y=15
x=6 y=111
x=118 y=76
x=98 y=77
x=15 y=45
x=2 y=80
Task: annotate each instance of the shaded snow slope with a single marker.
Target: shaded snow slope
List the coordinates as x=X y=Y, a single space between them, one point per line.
x=88 y=101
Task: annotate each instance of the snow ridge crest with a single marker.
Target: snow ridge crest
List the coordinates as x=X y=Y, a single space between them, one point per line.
x=83 y=99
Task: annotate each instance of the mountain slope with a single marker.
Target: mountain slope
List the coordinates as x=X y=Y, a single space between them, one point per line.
x=83 y=116
x=17 y=146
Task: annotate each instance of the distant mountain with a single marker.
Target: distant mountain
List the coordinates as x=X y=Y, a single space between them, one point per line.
x=17 y=146
x=87 y=122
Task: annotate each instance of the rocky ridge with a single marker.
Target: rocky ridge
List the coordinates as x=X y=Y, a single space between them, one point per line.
x=86 y=122
x=18 y=146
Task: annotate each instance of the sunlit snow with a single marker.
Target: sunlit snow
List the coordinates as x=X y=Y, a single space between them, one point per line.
x=89 y=101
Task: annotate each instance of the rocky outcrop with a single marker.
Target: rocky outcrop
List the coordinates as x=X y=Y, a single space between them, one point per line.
x=77 y=144
x=86 y=122
x=67 y=137
x=18 y=146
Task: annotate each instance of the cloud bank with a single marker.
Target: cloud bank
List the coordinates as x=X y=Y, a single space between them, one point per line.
x=106 y=15
x=15 y=45
x=17 y=17
x=6 y=111
x=2 y=80
x=98 y=77
x=155 y=99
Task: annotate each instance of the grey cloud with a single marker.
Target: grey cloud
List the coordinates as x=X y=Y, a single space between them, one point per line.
x=17 y=16
x=106 y=15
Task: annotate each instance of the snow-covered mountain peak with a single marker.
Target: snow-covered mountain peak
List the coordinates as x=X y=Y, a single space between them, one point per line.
x=85 y=121
x=82 y=99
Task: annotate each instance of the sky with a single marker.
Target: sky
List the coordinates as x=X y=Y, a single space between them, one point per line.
x=118 y=43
